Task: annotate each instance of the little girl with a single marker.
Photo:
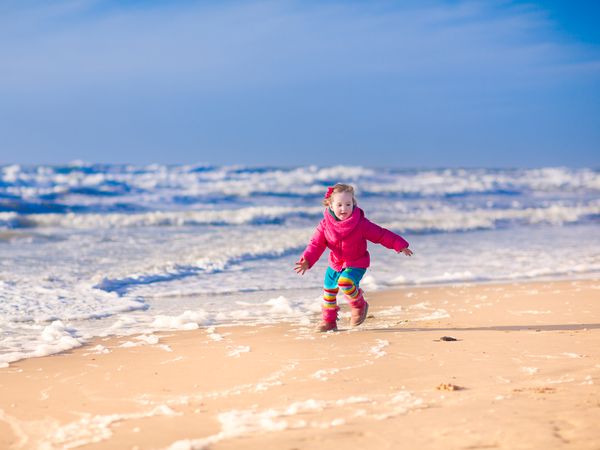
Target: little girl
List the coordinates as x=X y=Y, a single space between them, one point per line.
x=345 y=231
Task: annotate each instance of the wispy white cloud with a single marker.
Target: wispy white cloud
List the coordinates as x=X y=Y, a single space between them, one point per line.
x=240 y=45
x=434 y=76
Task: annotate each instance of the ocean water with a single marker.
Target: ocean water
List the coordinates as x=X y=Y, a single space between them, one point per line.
x=96 y=250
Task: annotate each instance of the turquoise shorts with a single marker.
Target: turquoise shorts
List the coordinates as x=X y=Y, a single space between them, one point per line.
x=332 y=276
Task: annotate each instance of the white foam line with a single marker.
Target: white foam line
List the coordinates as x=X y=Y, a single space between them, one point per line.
x=212 y=334
x=435 y=315
x=236 y=351
x=377 y=350
x=151 y=339
x=17 y=428
x=53 y=338
x=97 y=350
x=503 y=380
x=144 y=339
x=243 y=216
x=393 y=311
x=352 y=401
x=262 y=385
x=169 y=361
x=532 y=312
x=323 y=374
x=89 y=429
x=561 y=355
x=542 y=356
x=530 y=370
x=563 y=379
x=237 y=423
x=401 y=403
x=419 y=306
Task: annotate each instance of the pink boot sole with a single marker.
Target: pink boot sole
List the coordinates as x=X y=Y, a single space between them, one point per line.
x=324 y=327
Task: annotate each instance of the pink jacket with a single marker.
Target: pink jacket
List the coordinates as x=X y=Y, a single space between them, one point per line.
x=347 y=240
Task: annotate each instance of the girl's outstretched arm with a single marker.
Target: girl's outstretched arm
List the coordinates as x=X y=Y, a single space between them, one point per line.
x=407 y=251
x=301 y=266
x=315 y=247
x=385 y=237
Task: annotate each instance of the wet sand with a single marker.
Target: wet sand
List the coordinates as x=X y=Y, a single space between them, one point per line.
x=523 y=372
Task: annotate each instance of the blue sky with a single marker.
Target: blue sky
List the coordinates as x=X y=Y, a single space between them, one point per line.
x=380 y=83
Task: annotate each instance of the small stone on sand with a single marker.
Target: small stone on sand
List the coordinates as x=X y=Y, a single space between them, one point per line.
x=446 y=338
x=449 y=387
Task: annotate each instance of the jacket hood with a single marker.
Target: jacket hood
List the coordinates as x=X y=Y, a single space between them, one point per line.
x=344 y=227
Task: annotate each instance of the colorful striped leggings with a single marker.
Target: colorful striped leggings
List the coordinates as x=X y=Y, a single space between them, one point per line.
x=348 y=281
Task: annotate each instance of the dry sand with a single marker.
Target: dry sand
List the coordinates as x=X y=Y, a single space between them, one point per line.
x=524 y=372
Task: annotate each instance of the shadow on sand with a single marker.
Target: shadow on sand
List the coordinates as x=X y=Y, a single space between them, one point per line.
x=558 y=327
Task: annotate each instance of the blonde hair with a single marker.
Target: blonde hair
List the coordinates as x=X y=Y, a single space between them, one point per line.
x=336 y=189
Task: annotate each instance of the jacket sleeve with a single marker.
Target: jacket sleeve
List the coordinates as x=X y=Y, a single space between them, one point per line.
x=316 y=246
x=383 y=236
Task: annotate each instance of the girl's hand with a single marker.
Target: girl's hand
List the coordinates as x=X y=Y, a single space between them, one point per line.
x=407 y=251
x=301 y=266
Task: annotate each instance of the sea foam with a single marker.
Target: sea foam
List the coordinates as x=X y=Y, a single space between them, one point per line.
x=97 y=250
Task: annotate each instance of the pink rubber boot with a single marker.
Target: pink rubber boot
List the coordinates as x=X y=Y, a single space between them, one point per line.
x=329 y=320
x=358 y=310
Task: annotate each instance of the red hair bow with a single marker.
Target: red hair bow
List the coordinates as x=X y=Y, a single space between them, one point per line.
x=329 y=192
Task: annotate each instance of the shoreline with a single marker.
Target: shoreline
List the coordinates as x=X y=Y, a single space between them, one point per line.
x=242 y=322
x=524 y=372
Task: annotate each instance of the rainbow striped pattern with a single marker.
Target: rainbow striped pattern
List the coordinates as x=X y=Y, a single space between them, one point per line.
x=348 y=281
x=330 y=298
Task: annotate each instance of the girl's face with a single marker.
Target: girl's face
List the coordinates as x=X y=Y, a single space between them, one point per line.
x=342 y=205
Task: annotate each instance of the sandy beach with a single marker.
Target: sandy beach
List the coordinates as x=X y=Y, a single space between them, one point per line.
x=523 y=371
